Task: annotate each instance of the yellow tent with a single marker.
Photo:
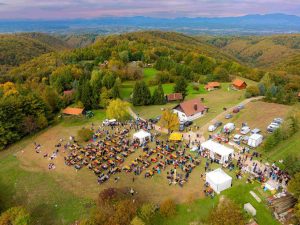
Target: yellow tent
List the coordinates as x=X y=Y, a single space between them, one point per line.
x=175 y=136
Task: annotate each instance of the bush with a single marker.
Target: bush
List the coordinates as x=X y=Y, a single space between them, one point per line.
x=137 y=221
x=15 y=215
x=147 y=211
x=196 y=87
x=252 y=91
x=85 y=134
x=168 y=208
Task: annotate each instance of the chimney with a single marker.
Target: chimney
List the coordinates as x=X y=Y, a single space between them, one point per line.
x=195 y=107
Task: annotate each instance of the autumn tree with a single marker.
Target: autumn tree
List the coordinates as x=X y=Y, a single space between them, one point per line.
x=169 y=120
x=252 y=91
x=181 y=86
x=85 y=134
x=15 y=215
x=226 y=213
x=105 y=97
x=118 y=109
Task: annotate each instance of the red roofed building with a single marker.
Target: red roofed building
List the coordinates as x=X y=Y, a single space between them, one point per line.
x=212 y=86
x=69 y=92
x=73 y=111
x=239 y=84
x=190 y=110
x=174 y=97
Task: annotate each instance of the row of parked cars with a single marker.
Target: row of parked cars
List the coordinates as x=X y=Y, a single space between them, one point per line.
x=276 y=123
x=182 y=125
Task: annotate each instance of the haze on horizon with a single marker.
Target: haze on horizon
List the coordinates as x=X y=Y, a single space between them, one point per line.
x=69 y=9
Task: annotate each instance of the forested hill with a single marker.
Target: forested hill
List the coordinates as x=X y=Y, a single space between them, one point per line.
x=16 y=49
x=167 y=51
x=273 y=52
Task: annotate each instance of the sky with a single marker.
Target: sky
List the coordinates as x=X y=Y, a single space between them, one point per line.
x=67 y=9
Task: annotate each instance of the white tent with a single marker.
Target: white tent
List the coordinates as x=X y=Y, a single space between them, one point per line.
x=217 y=151
x=255 y=140
x=218 y=180
x=142 y=136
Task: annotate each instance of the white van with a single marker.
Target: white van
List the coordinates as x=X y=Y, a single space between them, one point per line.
x=245 y=130
x=229 y=127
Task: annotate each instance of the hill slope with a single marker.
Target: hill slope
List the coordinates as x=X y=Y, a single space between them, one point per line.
x=265 y=52
x=16 y=49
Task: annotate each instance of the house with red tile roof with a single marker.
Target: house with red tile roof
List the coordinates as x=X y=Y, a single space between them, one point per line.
x=190 y=110
x=73 y=111
x=212 y=86
x=239 y=84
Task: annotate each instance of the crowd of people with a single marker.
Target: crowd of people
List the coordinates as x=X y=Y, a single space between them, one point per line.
x=113 y=143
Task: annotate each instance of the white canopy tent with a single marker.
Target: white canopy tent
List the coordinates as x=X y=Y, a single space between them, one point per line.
x=218 y=180
x=142 y=136
x=217 y=151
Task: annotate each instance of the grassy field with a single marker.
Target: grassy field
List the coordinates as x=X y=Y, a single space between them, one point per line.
x=149 y=74
x=40 y=193
x=285 y=148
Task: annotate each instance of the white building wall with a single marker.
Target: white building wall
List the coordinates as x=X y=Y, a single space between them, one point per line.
x=183 y=117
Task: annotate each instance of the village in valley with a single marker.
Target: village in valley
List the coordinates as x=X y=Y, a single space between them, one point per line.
x=149 y=128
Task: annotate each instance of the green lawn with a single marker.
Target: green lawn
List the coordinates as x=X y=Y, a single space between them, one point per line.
x=240 y=194
x=285 y=148
x=149 y=74
x=70 y=121
x=38 y=191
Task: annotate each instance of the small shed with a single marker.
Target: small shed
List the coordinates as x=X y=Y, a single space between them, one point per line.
x=174 y=97
x=142 y=136
x=250 y=209
x=255 y=140
x=73 y=111
x=218 y=180
x=217 y=151
x=239 y=84
x=175 y=136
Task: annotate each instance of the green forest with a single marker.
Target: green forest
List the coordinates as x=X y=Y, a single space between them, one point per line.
x=39 y=68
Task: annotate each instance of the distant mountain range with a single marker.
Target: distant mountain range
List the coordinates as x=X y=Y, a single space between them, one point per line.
x=244 y=25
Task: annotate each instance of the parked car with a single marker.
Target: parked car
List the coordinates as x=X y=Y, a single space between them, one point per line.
x=188 y=123
x=155 y=120
x=245 y=139
x=212 y=128
x=245 y=130
x=181 y=127
x=228 y=116
x=272 y=127
x=108 y=122
x=278 y=120
x=255 y=131
x=218 y=124
x=235 y=110
x=237 y=138
x=229 y=127
x=241 y=107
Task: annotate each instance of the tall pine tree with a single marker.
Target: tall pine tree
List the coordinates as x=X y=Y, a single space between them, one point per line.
x=141 y=94
x=181 y=86
x=158 y=97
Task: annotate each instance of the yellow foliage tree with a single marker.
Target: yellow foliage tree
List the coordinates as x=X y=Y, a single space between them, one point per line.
x=118 y=109
x=169 y=120
x=9 y=88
